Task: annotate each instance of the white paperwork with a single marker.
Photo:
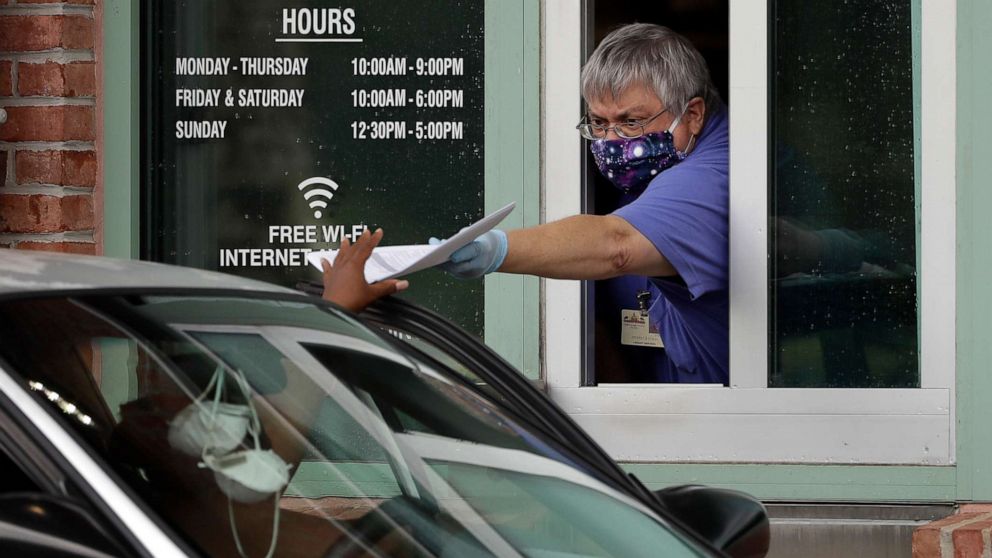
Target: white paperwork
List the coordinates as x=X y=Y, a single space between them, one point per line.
x=387 y=262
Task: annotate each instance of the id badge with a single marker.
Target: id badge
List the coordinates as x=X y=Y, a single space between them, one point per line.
x=636 y=329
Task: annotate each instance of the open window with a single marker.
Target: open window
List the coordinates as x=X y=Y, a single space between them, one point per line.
x=607 y=360
x=839 y=132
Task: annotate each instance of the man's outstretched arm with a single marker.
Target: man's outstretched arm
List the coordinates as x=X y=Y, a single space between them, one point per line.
x=584 y=247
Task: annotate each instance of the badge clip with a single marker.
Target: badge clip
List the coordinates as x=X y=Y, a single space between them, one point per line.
x=644 y=301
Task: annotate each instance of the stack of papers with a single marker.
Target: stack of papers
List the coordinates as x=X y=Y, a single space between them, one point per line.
x=387 y=262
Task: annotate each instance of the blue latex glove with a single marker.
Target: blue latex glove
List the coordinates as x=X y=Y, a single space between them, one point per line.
x=482 y=256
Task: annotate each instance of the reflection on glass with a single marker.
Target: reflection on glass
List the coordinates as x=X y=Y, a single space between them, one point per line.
x=843 y=287
x=553 y=513
x=387 y=455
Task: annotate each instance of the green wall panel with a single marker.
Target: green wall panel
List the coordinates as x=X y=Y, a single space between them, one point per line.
x=513 y=136
x=974 y=238
x=120 y=128
x=847 y=483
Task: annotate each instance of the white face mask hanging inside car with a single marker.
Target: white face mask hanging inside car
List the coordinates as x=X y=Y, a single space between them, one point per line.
x=249 y=475
x=218 y=426
x=213 y=431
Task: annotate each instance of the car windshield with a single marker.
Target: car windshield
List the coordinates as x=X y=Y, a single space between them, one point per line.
x=261 y=427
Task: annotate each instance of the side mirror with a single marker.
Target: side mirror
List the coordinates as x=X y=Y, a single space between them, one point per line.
x=732 y=521
x=44 y=525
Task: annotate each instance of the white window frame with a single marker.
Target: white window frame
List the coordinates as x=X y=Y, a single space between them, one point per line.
x=750 y=422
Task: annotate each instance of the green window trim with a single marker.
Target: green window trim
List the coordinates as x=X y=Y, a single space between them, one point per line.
x=839 y=483
x=121 y=117
x=974 y=240
x=513 y=170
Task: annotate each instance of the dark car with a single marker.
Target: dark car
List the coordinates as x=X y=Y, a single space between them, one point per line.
x=165 y=411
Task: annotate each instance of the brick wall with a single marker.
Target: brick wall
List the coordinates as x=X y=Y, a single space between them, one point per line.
x=966 y=534
x=48 y=156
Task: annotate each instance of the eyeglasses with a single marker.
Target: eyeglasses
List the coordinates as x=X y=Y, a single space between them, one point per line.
x=628 y=129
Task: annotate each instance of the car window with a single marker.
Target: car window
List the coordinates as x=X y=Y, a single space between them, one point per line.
x=334 y=433
x=432 y=351
x=595 y=524
x=254 y=426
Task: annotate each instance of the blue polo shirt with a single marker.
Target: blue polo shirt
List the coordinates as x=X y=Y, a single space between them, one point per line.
x=684 y=213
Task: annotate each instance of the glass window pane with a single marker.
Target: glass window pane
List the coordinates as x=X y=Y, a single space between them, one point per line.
x=843 y=282
x=547 y=516
x=432 y=351
x=335 y=434
x=374 y=109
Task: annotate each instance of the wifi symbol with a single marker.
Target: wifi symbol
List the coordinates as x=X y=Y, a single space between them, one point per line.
x=314 y=195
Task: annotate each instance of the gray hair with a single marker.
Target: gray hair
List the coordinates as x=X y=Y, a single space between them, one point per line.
x=654 y=56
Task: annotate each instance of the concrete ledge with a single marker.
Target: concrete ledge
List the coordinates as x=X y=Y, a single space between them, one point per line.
x=821 y=530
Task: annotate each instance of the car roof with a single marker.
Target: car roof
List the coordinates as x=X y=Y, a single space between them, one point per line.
x=23 y=271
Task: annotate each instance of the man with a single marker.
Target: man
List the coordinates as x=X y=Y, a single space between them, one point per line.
x=659 y=133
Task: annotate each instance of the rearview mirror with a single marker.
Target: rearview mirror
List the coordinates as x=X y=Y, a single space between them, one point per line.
x=732 y=521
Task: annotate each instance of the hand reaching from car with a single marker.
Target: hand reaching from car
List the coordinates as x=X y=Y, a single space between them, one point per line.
x=344 y=282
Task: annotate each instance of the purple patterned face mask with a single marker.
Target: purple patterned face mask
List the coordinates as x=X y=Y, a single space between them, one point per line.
x=631 y=164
